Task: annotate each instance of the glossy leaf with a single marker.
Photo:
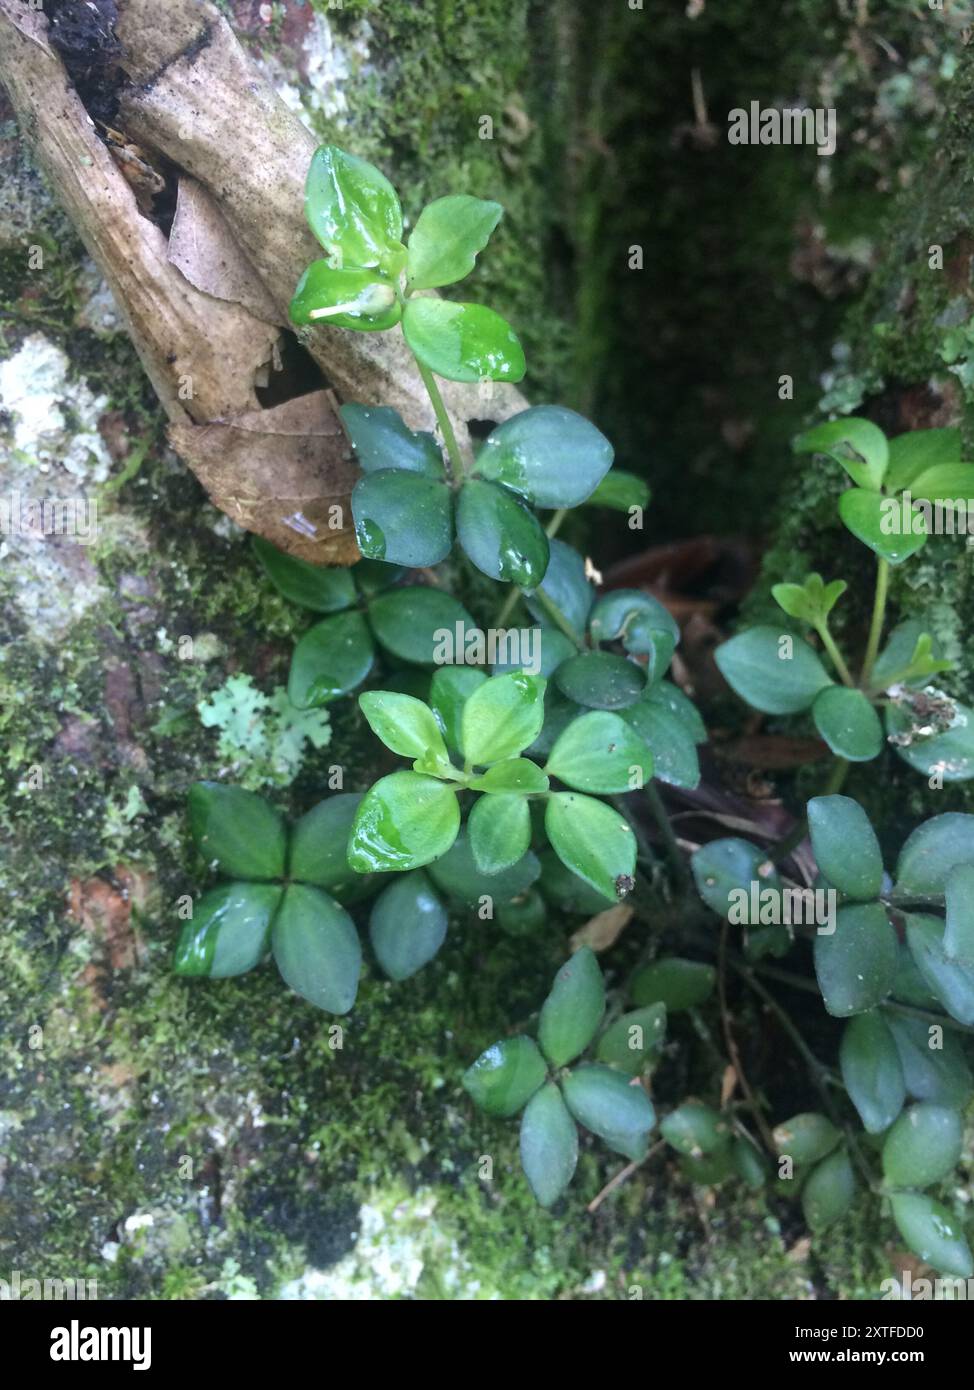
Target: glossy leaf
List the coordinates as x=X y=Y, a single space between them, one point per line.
x=934 y=1065
x=463 y=342
x=458 y=875
x=565 y=584
x=848 y=723
x=933 y=1233
x=572 y=1012
x=403 y=518
x=634 y=1041
x=449 y=234
x=499 y=829
x=237 y=831
x=514 y=775
x=913 y=453
x=549 y=1145
x=948 y=756
x=323 y=588
x=362 y=300
x=500 y=535
x=958 y=941
x=947 y=484
x=567 y=891
x=951 y=982
x=733 y=866
x=229 y=930
x=845 y=846
x=923 y=1146
x=678 y=984
x=640 y=622
x=502 y=717
x=353 y=210
x=695 y=1129
x=858 y=445
x=618 y=1111
x=506 y=1076
x=404 y=821
x=317 y=949
x=670 y=727
x=407 y=926
x=829 y=1191
x=878 y=522
x=599 y=752
x=593 y=841
x=382 y=440
x=932 y=851
x=806 y=1138
x=404 y=724
x=317 y=851
x=450 y=688
x=871 y=1071
x=549 y=454
x=414 y=623
x=855 y=965
x=621 y=491
x=332 y=658
x=601 y=680
x=773 y=671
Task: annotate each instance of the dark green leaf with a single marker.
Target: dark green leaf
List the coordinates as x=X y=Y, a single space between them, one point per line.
x=829 y=1191
x=353 y=210
x=407 y=926
x=695 y=1129
x=958 y=943
x=923 y=1146
x=634 y=1041
x=640 y=623
x=600 y=753
x=404 y=821
x=910 y=656
x=549 y=1145
x=621 y=491
x=856 y=964
x=567 y=891
x=566 y=586
x=317 y=853
x=317 y=948
x=806 y=1138
x=617 y=1110
x=549 y=454
x=913 y=453
x=229 y=930
x=848 y=723
x=934 y=1065
x=879 y=523
x=457 y=875
x=415 y=624
x=523 y=916
x=499 y=829
x=502 y=717
x=667 y=723
x=858 y=445
x=540 y=652
x=931 y=851
x=505 y=1076
x=363 y=300
x=573 y=1010
x=845 y=846
x=947 y=756
x=500 y=535
x=462 y=342
x=382 y=439
x=236 y=831
x=601 y=680
x=593 y=841
x=749 y=1163
x=403 y=518
x=449 y=234
x=332 y=658
x=320 y=587
x=933 y=1233
x=872 y=1071
x=773 y=671
x=677 y=983
x=732 y=866
x=951 y=982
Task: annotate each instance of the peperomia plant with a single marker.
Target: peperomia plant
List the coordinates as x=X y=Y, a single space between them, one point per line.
x=905 y=489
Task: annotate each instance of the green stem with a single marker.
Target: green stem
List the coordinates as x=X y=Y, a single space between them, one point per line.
x=507 y=608
x=557 y=617
x=879 y=615
x=456 y=468
x=662 y=820
x=836 y=657
x=554 y=525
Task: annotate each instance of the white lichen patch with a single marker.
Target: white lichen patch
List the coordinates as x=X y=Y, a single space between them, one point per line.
x=332 y=61
x=401 y=1246
x=53 y=421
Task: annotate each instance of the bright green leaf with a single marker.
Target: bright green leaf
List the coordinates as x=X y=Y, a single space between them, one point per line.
x=858 y=445
x=450 y=689
x=621 y=491
x=514 y=775
x=462 y=342
x=879 y=523
x=449 y=234
x=404 y=821
x=913 y=453
x=362 y=300
x=502 y=717
x=353 y=210
x=593 y=841
x=949 y=485
x=499 y=829
x=404 y=724
x=599 y=752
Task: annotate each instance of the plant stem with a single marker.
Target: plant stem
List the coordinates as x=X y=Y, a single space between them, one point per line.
x=507 y=607
x=554 y=525
x=456 y=468
x=879 y=615
x=836 y=657
x=836 y=781
x=662 y=820
x=557 y=617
